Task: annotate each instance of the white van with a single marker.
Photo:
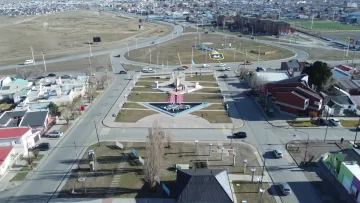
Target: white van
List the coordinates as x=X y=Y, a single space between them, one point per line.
x=28 y=62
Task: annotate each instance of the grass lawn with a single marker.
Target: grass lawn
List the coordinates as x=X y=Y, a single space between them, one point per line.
x=248 y=191
x=144 y=83
x=5 y=106
x=324 y=25
x=198 y=97
x=131 y=183
x=190 y=29
x=209 y=90
x=326 y=54
x=133 y=105
x=154 y=79
x=130 y=67
x=349 y=123
x=214 y=107
x=197 y=78
x=20 y=175
x=300 y=123
x=213 y=116
x=208 y=84
x=133 y=115
x=182 y=45
x=144 y=89
x=148 y=97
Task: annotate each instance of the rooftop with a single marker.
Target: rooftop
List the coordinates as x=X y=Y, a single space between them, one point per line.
x=354 y=168
x=273 y=76
x=13 y=132
x=4 y=152
x=339 y=74
x=34 y=118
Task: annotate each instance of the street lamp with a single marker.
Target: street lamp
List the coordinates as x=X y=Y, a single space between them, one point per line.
x=32 y=53
x=44 y=60
x=157 y=60
x=195 y=41
x=90 y=49
x=307 y=141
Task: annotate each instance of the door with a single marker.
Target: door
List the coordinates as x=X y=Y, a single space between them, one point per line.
x=346 y=183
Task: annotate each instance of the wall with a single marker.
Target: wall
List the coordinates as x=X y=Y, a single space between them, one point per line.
x=5 y=166
x=344 y=172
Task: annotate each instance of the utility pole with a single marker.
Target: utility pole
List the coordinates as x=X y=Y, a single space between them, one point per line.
x=32 y=53
x=150 y=54
x=44 y=60
x=75 y=150
x=97 y=135
x=356 y=132
x=312 y=22
x=327 y=126
x=90 y=49
x=259 y=54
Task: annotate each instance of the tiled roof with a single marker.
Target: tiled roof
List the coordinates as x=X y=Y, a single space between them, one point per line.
x=203 y=185
x=13 y=132
x=341 y=100
x=4 y=152
x=292 y=80
x=34 y=118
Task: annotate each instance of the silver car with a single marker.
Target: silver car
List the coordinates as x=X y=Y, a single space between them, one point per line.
x=285 y=188
x=54 y=133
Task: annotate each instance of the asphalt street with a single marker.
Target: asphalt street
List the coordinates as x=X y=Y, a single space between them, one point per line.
x=46 y=180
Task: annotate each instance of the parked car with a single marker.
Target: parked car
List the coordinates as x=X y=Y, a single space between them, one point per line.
x=240 y=35
x=66 y=76
x=284 y=188
x=358 y=128
x=247 y=63
x=322 y=121
x=334 y=121
x=186 y=67
x=205 y=66
x=226 y=69
x=44 y=146
x=278 y=153
x=122 y=72
x=51 y=75
x=222 y=65
x=54 y=133
x=118 y=56
x=239 y=135
x=180 y=68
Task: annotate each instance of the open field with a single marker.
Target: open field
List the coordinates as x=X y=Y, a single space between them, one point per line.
x=133 y=105
x=66 y=33
x=130 y=67
x=349 y=123
x=327 y=54
x=183 y=45
x=131 y=184
x=208 y=90
x=339 y=36
x=213 y=116
x=214 y=107
x=323 y=25
x=197 y=78
x=133 y=115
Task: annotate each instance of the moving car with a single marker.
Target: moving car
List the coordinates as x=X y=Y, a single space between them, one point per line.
x=239 y=135
x=51 y=75
x=247 y=63
x=278 y=153
x=334 y=121
x=54 y=133
x=147 y=70
x=44 y=146
x=226 y=69
x=118 y=56
x=28 y=62
x=284 y=188
x=186 y=67
x=205 y=66
x=122 y=72
x=180 y=68
x=222 y=65
x=66 y=76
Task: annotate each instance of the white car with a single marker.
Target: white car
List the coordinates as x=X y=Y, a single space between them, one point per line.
x=28 y=62
x=278 y=153
x=222 y=65
x=54 y=133
x=226 y=69
x=334 y=121
x=205 y=66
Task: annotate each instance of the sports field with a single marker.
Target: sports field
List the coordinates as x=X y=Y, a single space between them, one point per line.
x=323 y=25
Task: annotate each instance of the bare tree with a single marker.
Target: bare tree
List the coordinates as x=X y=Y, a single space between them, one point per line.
x=90 y=92
x=24 y=73
x=37 y=72
x=255 y=81
x=101 y=81
x=155 y=151
x=66 y=115
x=76 y=104
x=169 y=138
x=242 y=72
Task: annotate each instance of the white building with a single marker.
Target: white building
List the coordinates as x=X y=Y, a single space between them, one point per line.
x=14 y=89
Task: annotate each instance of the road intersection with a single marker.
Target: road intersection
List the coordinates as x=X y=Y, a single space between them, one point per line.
x=45 y=181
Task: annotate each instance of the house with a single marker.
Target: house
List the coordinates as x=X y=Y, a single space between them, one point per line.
x=6 y=156
x=22 y=138
x=203 y=185
x=10 y=86
x=346 y=68
x=37 y=120
x=339 y=74
x=293 y=65
x=336 y=104
x=350 y=86
x=294 y=96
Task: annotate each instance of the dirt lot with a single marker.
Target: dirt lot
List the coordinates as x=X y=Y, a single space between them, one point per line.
x=110 y=160
x=182 y=45
x=66 y=33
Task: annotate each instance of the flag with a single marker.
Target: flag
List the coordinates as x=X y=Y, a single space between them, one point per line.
x=193 y=62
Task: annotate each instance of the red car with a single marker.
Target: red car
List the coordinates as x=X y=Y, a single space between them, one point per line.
x=186 y=67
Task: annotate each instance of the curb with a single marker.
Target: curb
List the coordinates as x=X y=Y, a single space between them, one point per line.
x=286 y=147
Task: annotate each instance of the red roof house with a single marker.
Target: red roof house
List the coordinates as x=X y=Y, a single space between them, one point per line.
x=6 y=133
x=294 y=96
x=5 y=159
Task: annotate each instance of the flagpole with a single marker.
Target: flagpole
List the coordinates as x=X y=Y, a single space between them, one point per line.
x=192 y=60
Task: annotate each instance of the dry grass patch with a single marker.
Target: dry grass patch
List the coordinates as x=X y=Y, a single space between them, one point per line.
x=209 y=90
x=144 y=89
x=300 y=123
x=133 y=105
x=213 y=116
x=214 y=107
x=132 y=116
x=197 y=78
x=148 y=97
x=248 y=191
x=349 y=123
x=198 y=97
